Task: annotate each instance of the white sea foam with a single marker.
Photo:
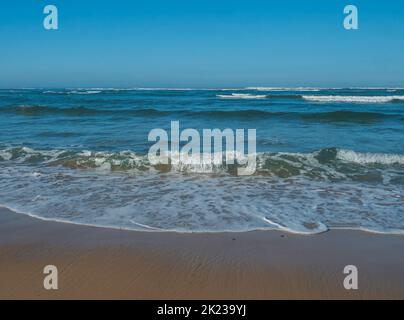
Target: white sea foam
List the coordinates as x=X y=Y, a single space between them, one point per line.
x=375 y=88
x=241 y=96
x=188 y=89
x=172 y=202
x=150 y=200
x=85 y=92
x=296 y=228
x=369 y=158
x=5 y=155
x=76 y=91
x=53 y=92
x=297 y=89
x=129 y=159
x=353 y=99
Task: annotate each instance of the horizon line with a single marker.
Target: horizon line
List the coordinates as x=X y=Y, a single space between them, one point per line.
x=206 y=88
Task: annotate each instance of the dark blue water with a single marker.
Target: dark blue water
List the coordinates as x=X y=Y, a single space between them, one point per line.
x=327 y=158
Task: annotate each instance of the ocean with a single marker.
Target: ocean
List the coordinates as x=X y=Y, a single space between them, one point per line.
x=327 y=158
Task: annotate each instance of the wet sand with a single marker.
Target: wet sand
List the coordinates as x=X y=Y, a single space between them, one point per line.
x=98 y=263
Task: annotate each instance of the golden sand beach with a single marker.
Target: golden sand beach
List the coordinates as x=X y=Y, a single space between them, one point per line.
x=98 y=263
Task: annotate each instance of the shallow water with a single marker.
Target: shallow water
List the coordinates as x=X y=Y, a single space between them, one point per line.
x=327 y=158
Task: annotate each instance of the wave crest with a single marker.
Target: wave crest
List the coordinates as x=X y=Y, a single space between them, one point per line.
x=330 y=163
x=241 y=96
x=354 y=99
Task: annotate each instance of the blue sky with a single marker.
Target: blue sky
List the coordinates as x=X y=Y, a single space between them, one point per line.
x=201 y=43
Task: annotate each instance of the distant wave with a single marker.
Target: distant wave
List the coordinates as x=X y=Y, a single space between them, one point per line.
x=316 y=89
x=245 y=114
x=317 y=98
x=84 y=92
x=285 y=96
x=241 y=96
x=54 y=92
x=38 y=110
x=354 y=99
x=261 y=96
x=297 y=89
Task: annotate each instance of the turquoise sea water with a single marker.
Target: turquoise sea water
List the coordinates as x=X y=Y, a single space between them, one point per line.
x=327 y=158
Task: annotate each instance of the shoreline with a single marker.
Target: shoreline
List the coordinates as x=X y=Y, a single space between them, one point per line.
x=148 y=229
x=103 y=263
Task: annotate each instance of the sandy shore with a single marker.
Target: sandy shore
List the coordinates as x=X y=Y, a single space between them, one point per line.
x=104 y=263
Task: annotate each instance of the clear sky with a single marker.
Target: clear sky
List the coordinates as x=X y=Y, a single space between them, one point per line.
x=201 y=43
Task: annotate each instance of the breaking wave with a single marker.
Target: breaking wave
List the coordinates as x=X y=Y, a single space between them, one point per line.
x=355 y=99
x=331 y=163
x=241 y=96
x=80 y=92
x=297 y=89
x=292 y=192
